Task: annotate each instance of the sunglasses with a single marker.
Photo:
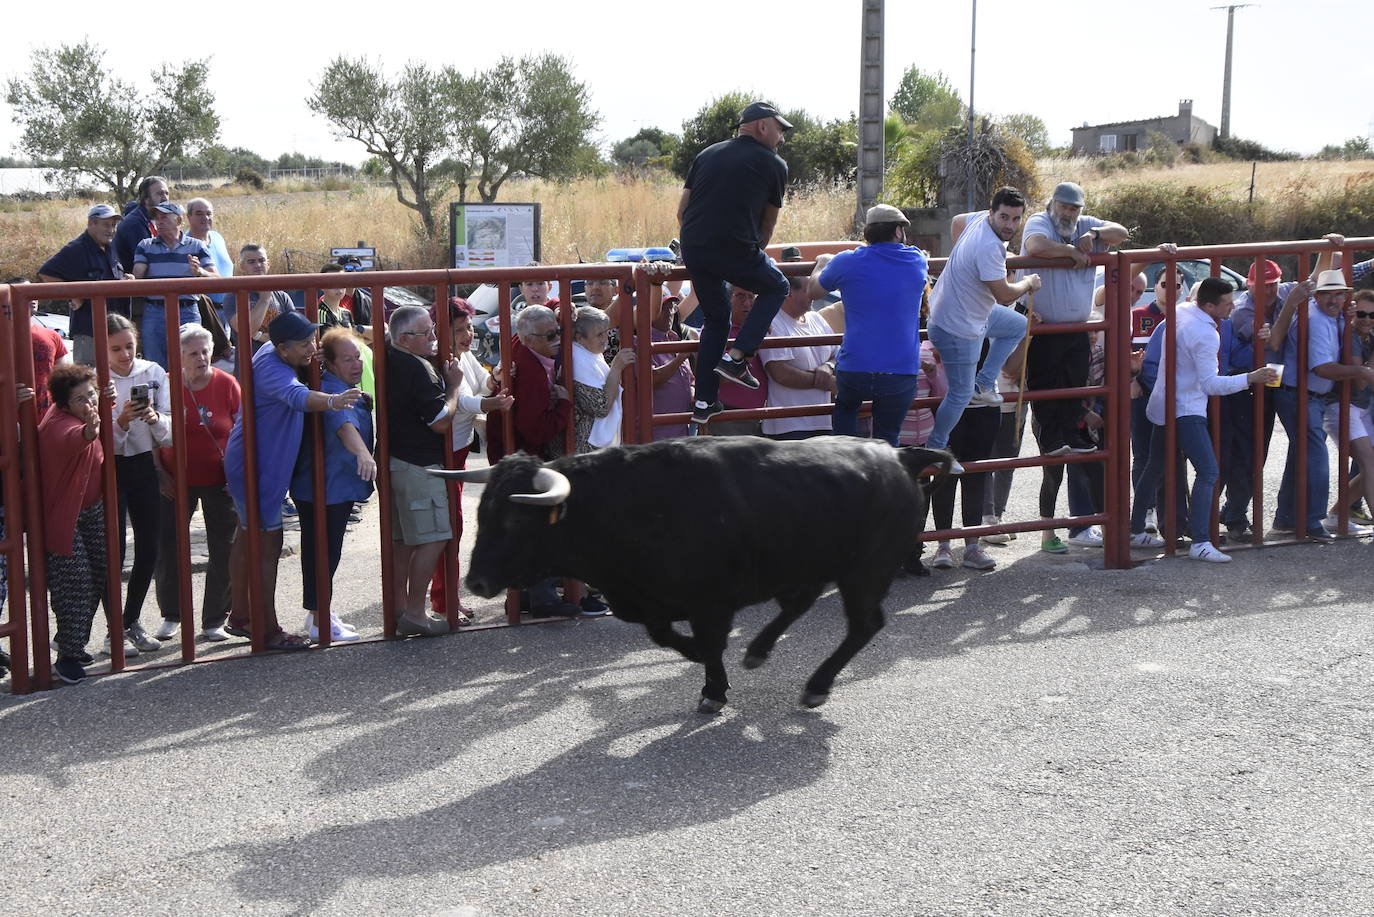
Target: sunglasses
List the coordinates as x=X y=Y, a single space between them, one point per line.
x=1361 y=314
x=553 y=335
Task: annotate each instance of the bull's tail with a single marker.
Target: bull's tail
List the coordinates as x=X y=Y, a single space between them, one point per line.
x=919 y=462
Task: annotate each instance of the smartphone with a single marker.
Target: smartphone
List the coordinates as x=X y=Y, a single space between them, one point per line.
x=139 y=395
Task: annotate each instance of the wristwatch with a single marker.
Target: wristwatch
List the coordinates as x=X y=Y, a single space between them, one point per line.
x=1097 y=234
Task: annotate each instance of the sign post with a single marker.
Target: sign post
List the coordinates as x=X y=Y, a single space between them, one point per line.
x=493 y=235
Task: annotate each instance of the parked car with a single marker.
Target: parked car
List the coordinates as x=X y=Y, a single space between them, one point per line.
x=56 y=321
x=1192 y=272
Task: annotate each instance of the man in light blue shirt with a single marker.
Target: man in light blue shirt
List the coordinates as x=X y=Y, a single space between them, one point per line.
x=1322 y=358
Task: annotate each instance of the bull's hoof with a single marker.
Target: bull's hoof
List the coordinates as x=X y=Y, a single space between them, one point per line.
x=753 y=662
x=814 y=699
x=710 y=707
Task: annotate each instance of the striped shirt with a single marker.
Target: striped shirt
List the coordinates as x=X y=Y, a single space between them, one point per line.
x=169 y=261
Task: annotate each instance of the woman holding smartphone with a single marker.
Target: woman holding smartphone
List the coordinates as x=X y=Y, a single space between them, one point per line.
x=142 y=423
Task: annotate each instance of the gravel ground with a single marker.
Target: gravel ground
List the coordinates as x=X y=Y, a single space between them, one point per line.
x=1049 y=738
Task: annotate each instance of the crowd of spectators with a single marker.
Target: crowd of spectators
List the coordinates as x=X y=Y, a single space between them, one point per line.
x=961 y=339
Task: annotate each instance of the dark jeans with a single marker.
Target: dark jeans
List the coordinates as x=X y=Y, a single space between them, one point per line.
x=1238 y=452
x=711 y=269
x=1195 y=441
x=1057 y=361
x=336 y=525
x=1141 y=432
x=140 y=505
x=217 y=508
x=1318 y=471
x=891 y=394
x=1007 y=445
x=794 y=435
x=971 y=439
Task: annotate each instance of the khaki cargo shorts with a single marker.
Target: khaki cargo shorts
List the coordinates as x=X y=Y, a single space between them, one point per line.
x=419 y=505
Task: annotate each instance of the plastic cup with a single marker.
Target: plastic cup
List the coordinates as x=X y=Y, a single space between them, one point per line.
x=1278 y=368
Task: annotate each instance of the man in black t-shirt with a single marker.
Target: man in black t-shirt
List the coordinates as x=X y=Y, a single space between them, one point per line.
x=729 y=206
x=420 y=411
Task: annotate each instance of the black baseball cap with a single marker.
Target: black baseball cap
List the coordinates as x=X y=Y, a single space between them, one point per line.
x=756 y=111
x=291 y=326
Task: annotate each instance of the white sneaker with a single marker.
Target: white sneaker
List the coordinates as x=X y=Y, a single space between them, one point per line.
x=1151 y=523
x=944 y=559
x=981 y=397
x=1333 y=525
x=167 y=629
x=1203 y=550
x=1146 y=540
x=215 y=634
x=129 y=648
x=1090 y=537
x=1001 y=538
x=339 y=631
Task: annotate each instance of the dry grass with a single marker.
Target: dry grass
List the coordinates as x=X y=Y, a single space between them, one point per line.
x=583 y=218
x=587 y=217
x=1273 y=180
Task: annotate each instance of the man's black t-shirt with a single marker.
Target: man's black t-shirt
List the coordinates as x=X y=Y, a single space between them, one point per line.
x=731 y=181
x=414 y=398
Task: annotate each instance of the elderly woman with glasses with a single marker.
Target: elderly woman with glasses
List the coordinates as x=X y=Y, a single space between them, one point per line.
x=596 y=384
x=212 y=402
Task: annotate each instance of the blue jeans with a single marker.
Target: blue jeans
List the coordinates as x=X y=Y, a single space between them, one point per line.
x=1195 y=442
x=1286 y=400
x=153 y=335
x=891 y=394
x=711 y=269
x=1141 y=432
x=1006 y=328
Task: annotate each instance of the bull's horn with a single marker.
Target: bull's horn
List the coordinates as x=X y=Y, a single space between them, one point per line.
x=475 y=476
x=554 y=489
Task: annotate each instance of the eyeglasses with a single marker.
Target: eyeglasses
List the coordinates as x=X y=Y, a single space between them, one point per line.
x=426 y=333
x=553 y=335
x=1360 y=314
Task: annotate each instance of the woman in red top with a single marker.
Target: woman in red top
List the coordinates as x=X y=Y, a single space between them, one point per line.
x=212 y=401
x=71 y=457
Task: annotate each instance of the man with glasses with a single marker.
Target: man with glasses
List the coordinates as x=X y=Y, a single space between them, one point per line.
x=543 y=409
x=421 y=406
x=262 y=307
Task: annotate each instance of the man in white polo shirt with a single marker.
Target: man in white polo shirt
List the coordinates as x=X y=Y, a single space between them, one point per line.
x=965 y=308
x=1195 y=379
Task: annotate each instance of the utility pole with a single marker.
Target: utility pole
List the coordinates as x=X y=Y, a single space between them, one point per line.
x=1226 y=77
x=872 y=108
x=972 y=47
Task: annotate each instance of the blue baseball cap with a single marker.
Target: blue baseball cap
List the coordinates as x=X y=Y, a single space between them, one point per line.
x=170 y=207
x=101 y=212
x=289 y=327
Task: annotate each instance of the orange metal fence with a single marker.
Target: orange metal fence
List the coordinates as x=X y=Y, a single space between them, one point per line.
x=27 y=622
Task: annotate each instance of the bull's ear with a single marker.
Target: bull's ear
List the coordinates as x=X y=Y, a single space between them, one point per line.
x=553 y=489
x=476 y=476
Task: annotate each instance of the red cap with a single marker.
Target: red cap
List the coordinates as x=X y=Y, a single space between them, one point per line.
x=1272 y=273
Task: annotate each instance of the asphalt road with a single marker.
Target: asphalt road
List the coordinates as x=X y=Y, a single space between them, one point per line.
x=1046 y=739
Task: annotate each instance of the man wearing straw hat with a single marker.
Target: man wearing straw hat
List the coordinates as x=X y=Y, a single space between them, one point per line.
x=1324 y=370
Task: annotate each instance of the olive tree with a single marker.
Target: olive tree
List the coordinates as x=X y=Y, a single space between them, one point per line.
x=81 y=123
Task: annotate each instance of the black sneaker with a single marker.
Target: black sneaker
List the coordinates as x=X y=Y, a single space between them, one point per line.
x=593 y=605
x=4 y=663
x=736 y=371
x=1056 y=448
x=556 y=610
x=69 y=670
x=704 y=414
x=1081 y=442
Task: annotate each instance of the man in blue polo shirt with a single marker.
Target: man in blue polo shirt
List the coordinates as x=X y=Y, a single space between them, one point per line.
x=90 y=256
x=280 y=402
x=1324 y=369
x=881 y=285
x=169 y=254
x=729 y=206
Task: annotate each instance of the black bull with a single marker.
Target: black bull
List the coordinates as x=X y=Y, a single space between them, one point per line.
x=695 y=529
